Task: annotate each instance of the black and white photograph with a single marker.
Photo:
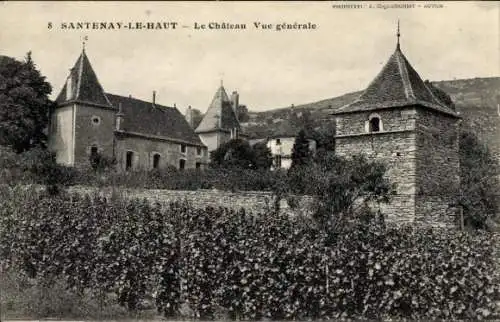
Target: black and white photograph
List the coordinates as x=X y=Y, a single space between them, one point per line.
x=249 y=160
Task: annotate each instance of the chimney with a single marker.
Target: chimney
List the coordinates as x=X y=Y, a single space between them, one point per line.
x=154 y=98
x=235 y=101
x=189 y=116
x=119 y=117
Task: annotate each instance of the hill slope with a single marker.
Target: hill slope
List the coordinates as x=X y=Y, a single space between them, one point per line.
x=476 y=99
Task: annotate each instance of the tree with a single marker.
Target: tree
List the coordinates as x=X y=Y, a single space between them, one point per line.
x=441 y=95
x=301 y=154
x=235 y=153
x=479 y=172
x=345 y=187
x=243 y=115
x=325 y=141
x=197 y=117
x=24 y=105
x=263 y=156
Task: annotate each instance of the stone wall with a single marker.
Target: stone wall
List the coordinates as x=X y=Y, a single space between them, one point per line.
x=402 y=119
x=89 y=133
x=256 y=202
x=395 y=145
x=438 y=172
x=61 y=134
x=170 y=153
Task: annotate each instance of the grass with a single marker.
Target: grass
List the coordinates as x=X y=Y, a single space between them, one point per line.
x=28 y=299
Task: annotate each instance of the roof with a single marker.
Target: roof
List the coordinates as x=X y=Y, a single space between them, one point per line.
x=156 y=120
x=83 y=85
x=220 y=114
x=397 y=85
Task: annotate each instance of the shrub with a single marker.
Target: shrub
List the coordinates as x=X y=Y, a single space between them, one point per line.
x=479 y=172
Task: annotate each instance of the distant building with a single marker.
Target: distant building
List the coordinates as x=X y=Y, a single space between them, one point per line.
x=220 y=123
x=140 y=135
x=399 y=120
x=281 y=149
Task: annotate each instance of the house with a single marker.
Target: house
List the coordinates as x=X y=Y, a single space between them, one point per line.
x=281 y=147
x=398 y=120
x=220 y=123
x=140 y=135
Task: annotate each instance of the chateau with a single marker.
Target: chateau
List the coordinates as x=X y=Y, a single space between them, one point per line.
x=399 y=120
x=139 y=135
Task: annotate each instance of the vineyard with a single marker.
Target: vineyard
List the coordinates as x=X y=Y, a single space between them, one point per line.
x=216 y=263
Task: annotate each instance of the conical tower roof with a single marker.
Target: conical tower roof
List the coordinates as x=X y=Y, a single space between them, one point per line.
x=82 y=85
x=397 y=85
x=220 y=114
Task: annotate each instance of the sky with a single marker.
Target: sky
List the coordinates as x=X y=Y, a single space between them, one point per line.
x=269 y=68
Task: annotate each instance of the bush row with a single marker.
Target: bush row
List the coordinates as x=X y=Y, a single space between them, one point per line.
x=39 y=166
x=223 y=263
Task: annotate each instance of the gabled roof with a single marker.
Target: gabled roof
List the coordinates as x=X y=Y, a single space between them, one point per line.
x=82 y=85
x=220 y=114
x=144 y=118
x=397 y=85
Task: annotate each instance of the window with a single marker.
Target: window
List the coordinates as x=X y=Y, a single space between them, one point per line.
x=278 y=141
x=277 y=161
x=96 y=120
x=182 y=164
x=94 y=150
x=129 y=160
x=183 y=148
x=375 y=124
x=198 y=165
x=156 y=161
x=199 y=150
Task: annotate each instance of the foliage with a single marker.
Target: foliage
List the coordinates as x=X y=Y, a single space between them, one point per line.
x=341 y=186
x=237 y=153
x=197 y=117
x=226 y=264
x=24 y=105
x=243 y=115
x=301 y=153
x=35 y=166
x=325 y=141
x=100 y=162
x=263 y=156
x=479 y=172
x=441 y=95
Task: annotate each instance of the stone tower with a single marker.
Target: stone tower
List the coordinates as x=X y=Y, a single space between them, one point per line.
x=84 y=120
x=399 y=121
x=220 y=123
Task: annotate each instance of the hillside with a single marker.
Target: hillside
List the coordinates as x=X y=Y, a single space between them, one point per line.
x=476 y=99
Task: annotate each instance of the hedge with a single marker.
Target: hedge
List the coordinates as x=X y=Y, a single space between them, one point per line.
x=39 y=166
x=222 y=263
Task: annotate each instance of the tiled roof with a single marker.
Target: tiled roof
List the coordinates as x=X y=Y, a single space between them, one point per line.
x=220 y=114
x=397 y=84
x=83 y=85
x=156 y=120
